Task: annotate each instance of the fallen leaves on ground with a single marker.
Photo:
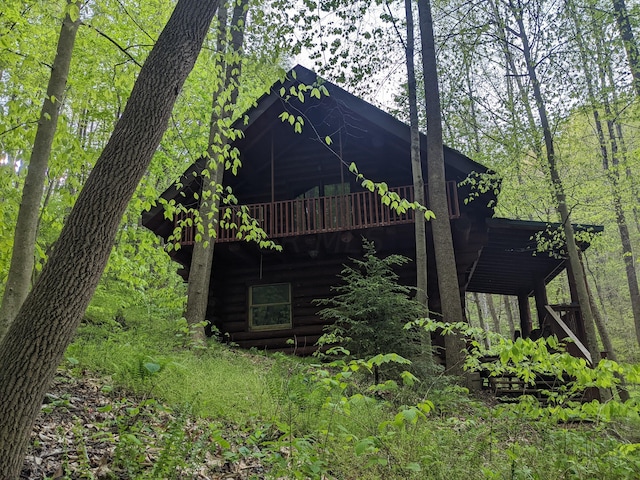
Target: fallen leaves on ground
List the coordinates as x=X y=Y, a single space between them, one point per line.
x=88 y=430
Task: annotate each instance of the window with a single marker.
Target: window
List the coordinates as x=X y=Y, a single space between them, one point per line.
x=337 y=208
x=316 y=212
x=270 y=306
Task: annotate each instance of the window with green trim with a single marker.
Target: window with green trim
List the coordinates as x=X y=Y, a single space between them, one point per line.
x=270 y=306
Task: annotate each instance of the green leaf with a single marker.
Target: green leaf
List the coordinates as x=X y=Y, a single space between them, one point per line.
x=73 y=361
x=369 y=185
x=152 y=367
x=284 y=116
x=73 y=10
x=408 y=378
x=363 y=446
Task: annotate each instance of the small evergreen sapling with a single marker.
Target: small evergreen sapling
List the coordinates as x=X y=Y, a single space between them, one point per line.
x=370 y=309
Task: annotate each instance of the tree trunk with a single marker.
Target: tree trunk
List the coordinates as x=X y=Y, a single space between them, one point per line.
x=509 y=311
x=627 y=250
x=416 y=170
x=448 y=285
x=630 y=178
x=44 y=326
x=201 y=260
x=483 y=324
x=601 y=323
x=202 y=256
x=529 y=129
x=608 y=74
x=512 y=73
x=24 y=240
x=558 y=188
x=628 y=257
x=611 y=165
x=492 y=312
x=608 y=347
x=630 y=46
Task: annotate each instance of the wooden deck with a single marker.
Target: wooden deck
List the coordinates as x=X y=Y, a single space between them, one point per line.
x=307 y=216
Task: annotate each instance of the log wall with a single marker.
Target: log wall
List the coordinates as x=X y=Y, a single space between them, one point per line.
x=311 y=265
x=309 y=279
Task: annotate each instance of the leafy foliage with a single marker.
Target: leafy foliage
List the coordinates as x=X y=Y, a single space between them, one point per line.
x=298 y=419
x=566 y=378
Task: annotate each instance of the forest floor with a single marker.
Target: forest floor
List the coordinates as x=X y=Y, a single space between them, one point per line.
x=84 y=425
x=137 y=402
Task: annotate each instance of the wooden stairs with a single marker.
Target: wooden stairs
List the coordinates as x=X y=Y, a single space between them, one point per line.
x=544 y=389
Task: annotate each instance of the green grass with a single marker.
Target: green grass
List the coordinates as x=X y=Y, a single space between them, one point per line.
x=214 y=383
x=303 y=421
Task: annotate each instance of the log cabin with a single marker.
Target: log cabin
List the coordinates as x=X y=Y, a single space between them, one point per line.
x=301 y=191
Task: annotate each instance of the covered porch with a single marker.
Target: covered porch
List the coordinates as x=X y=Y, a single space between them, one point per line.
x=513 y=263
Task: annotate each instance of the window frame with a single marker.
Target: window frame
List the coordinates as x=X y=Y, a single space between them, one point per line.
x=251 y=306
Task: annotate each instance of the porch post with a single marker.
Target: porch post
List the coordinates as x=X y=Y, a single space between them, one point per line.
x=525 y=315
x=573 y=291
x=576 y=312
x=540 y=293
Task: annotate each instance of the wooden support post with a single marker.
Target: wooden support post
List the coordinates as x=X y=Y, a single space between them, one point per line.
x=525 y=315
x=578 y=320
x=573 y=291
x=540 y=293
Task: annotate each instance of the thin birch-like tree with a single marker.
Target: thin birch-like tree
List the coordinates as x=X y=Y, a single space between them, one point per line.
x=230 y=62
x=21 y=267
x=448 y=284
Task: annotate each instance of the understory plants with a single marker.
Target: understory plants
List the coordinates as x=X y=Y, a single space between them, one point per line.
x=287 y=417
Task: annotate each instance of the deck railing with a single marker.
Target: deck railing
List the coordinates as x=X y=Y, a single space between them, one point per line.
x=304 y=216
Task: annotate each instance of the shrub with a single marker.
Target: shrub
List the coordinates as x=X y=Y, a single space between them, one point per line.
x=370 y=309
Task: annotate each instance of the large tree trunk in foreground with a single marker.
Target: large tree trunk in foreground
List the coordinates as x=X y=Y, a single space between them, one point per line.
x=38 y=337
x=202 y=258
x=448 y=285
x=416 y=170
x=24 y=239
